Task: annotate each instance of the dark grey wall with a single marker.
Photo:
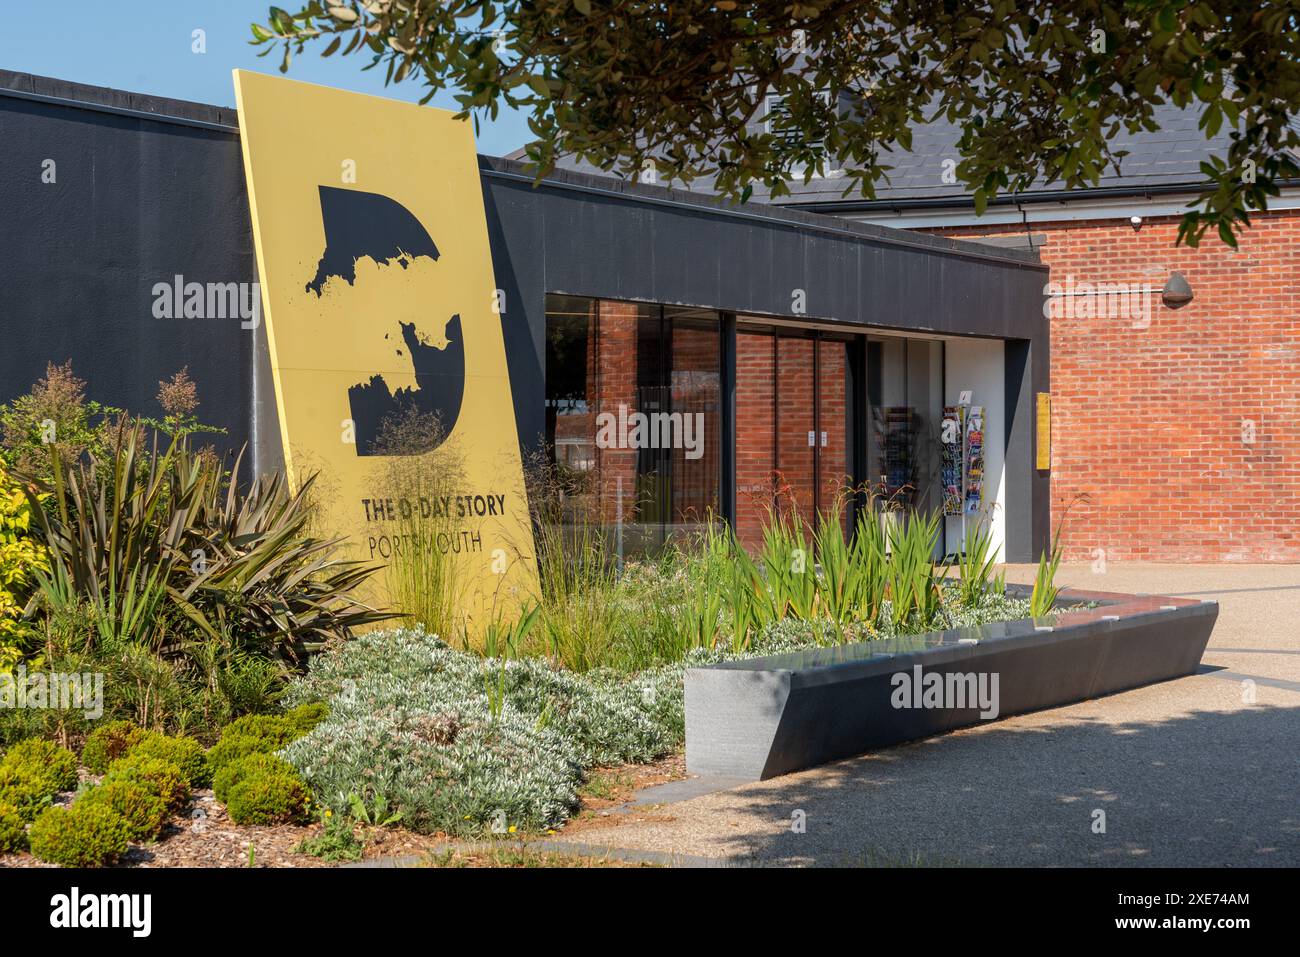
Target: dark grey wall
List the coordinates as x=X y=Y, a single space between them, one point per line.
x=136 y=201
x=151 y=188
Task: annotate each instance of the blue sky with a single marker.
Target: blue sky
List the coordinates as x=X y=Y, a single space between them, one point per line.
x=145 y=46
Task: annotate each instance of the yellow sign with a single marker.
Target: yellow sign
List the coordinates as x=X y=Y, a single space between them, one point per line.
x=1044 y=431
x=385 y=330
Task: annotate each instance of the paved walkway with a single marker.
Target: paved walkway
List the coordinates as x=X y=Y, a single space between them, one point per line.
x=1203 y=771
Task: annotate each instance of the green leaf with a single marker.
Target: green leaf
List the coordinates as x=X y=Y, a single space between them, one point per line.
x=281 y=21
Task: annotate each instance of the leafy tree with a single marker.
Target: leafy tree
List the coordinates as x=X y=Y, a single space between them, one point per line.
x=1038 y=88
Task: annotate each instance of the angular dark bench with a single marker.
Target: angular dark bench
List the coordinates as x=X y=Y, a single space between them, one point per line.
x=763 y=717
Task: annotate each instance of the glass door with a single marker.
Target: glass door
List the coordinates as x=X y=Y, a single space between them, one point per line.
x=794 y=427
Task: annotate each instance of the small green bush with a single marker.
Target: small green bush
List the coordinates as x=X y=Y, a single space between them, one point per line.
x=186 y=753
x=235 y=771
x=84 y=835
x=57 y=765
x=13 y=830
x=160 y=776
x=233 y=747
x=274 y=730
x=143 y=811
x=268 y=797
x=305 y=717
x=108 y=742
x=25 y=790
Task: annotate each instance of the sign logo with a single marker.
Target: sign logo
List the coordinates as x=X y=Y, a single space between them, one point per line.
x=387 y=355
x=369 y=226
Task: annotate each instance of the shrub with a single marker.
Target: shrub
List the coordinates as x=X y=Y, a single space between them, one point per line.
x=268 y=797
x=159 y=776
x=21 y=555
x=143 y=811
x=186 y=753
x=274 y=730
x=236 y=746
x=235 y=771
x=25 y=790
x=458 y=771
x=264 y=573
x=410 y=668
x=56 y=765
x=108 y=742
x=305 y=717
x=264 y=733
x=453 y=742
x=13 y=830
x=58 y=398
x=83 y=835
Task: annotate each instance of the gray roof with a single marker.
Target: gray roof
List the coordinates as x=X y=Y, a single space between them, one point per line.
x=142 y=105
x=148 y=108
x=1166 y=158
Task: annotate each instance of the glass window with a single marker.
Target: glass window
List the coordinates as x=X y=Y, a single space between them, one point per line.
x=835 y=478
x=794 y=431
x=569 y=417
x=633 y=397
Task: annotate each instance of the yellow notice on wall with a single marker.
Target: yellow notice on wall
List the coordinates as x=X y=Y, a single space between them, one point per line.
x=385 y=331
x=1044 y=443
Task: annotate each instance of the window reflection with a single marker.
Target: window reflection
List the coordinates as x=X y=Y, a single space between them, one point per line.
x=633 y=394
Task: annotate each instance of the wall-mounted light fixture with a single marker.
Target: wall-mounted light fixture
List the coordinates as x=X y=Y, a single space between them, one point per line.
x=1177 y=292
x=1135 y=222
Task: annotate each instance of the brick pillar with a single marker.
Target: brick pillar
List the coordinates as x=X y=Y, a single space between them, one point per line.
x=614 y=374
x=755 y=435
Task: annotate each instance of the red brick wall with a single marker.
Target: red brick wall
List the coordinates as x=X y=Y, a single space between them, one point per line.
x=1148 y=422
x=755 y=445
x=613 y=371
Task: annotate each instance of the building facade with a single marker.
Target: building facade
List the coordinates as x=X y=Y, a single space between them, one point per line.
x=1180 y=427
x=769 y=358
x=1175 y=429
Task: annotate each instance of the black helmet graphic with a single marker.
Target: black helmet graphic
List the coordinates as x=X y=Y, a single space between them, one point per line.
x=361 y=224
